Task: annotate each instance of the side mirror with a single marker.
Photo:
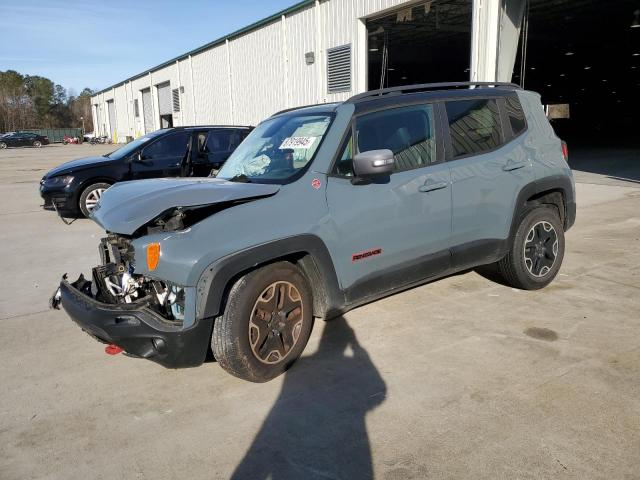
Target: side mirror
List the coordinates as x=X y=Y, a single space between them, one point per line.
x=373 y=163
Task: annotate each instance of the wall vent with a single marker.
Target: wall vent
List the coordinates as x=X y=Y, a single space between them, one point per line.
x=339 y=69
x=176 y=99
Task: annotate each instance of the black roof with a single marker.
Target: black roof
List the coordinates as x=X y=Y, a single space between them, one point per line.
x=432 y=87
x=388 y=96
x=194 y=127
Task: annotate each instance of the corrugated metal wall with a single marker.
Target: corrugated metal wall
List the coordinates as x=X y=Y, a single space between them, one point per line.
x=251 y=76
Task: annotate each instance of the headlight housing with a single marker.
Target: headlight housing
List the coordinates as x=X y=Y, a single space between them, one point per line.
x=59 y=181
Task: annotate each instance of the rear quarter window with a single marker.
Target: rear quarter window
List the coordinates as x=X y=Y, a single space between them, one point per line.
x=474 y=126
x=515 y=115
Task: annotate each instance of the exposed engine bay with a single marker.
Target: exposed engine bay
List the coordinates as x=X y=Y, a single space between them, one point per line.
x=114 y=282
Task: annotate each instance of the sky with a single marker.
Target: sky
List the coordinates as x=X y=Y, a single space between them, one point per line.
x=80 y=44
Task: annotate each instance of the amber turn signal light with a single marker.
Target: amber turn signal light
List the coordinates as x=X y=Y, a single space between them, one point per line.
x=153 y=256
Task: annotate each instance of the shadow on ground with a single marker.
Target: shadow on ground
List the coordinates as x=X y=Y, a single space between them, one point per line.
x=615 y=163
x=316 y=428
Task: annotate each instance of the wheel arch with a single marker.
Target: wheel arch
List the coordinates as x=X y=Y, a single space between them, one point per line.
x=555 y=190
x=308 y=252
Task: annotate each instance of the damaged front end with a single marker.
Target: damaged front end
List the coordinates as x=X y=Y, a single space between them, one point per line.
x=143 y=316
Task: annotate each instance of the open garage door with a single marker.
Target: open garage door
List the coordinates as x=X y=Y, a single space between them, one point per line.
x=583 y=56
x=425 y=42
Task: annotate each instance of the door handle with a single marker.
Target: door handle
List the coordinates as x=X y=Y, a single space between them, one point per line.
x=510 y=165
x=431 y=187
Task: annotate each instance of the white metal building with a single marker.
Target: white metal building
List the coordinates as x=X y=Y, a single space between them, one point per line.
x=316 y=51
x=327 y=50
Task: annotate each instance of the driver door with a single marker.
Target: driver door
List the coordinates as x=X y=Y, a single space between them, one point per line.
x=393 y=230
x=163 y=158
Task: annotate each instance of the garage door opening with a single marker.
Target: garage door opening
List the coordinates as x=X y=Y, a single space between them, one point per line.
x=585 y=56
x=426 y=42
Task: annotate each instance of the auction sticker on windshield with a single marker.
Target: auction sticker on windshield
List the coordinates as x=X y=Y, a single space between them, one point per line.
x=298 y=142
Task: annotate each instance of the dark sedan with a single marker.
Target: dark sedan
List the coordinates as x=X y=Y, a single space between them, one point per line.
x=23 y=139
x=76 y=186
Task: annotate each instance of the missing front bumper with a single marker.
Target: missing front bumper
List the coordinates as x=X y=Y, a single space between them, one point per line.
x=134 y=327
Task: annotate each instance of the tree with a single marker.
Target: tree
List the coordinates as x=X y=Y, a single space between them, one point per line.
x=32 y=101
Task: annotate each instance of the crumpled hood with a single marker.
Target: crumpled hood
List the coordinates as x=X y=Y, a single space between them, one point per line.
x=78 y=164
x=127 y=206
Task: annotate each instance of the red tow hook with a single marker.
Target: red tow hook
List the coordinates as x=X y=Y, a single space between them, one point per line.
x=112 y=349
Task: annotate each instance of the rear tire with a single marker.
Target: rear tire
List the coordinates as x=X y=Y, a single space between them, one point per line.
x=90 y=196
x=537 y=251
x=266 y=323
x=3 y=145
x=37 y=143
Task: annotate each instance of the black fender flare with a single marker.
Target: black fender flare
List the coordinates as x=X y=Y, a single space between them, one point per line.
x=311 y=255
x=559 y=183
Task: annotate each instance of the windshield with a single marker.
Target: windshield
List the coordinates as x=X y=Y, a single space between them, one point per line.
x=277 y=149
x=131 y=146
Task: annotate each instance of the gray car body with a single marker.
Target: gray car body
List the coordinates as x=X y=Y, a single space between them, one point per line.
x=421 y=234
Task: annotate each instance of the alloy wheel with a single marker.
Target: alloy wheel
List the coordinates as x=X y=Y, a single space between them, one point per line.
x=541 y=249
x=93 y=197
x=276 y=322
x=37 y=144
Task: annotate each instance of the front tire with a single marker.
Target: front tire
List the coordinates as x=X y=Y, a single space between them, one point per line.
x=3 y=145
x=37 y=144
x=266 y=323
x=537 y=251
x=90 y=196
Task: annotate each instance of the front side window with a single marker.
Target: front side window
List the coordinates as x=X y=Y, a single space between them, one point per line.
x=132 y=146
x=474 y=125
x=169 y=146
x=409 y=132
x=278 y=148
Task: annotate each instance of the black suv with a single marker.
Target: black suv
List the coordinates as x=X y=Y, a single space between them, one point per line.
x=76 y=186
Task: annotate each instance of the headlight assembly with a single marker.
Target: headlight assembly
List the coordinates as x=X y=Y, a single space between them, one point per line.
x=59 y=181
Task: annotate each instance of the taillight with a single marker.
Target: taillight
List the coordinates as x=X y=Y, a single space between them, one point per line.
x=565 y=151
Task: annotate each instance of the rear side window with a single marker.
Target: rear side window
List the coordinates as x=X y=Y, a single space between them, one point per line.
x=515 y=115
x=219 y=141
x=409 y=132
x=474 y=126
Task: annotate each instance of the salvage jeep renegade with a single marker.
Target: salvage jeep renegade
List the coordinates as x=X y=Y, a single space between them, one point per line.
x=322 y=209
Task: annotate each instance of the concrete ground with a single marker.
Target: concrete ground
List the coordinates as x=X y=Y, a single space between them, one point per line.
x=462 y=378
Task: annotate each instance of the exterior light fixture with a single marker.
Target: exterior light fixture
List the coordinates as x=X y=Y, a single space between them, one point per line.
x=636 y=19
x=568 y=54
x=587 y=68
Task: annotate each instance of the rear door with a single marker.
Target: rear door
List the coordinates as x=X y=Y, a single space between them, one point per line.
x=488 y=170
x=394 y=230
x=164 y=157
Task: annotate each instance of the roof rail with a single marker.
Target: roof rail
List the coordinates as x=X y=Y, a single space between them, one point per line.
x=291 y=109
x=430 y=86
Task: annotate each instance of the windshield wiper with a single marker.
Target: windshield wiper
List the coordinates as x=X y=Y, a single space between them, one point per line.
x=242 y=178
